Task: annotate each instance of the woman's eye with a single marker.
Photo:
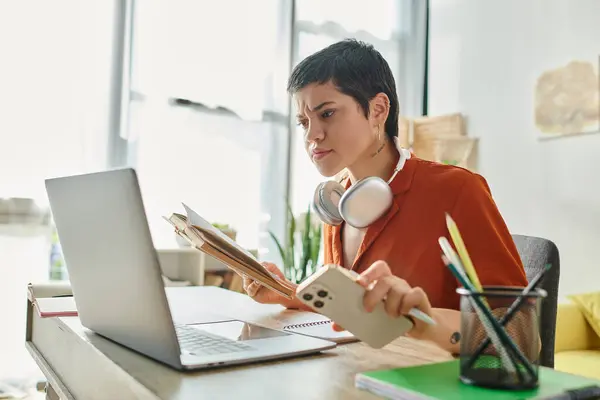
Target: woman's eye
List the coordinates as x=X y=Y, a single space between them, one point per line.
x=327 y=114
x=302 y=124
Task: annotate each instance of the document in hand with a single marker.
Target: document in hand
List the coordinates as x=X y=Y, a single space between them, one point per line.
x=210 y=240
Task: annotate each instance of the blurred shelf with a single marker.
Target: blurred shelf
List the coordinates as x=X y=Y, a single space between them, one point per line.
x=24 y=229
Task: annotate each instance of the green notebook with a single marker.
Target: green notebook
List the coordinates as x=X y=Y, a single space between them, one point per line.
x=441 y=381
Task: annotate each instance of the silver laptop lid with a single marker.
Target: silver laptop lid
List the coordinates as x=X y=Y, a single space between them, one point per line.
x=111 y=260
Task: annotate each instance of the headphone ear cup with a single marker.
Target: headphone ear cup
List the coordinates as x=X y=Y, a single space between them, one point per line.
x=326 y=201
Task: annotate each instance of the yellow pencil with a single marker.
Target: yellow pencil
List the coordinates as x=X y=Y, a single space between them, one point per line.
x=462 y=252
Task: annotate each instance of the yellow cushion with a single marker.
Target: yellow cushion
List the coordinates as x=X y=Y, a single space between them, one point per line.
x=589 y=304
x=579 y=362
x=572 y=330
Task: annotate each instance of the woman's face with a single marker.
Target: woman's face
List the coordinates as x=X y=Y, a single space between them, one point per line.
x=336 y=131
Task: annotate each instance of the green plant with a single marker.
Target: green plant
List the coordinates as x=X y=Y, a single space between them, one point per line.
x=221 y=226
x=299 y=263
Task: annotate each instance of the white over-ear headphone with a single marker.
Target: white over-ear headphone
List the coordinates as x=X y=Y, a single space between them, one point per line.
x=363 y=203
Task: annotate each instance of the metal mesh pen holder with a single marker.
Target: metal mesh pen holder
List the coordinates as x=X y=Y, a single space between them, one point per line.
x=504 y=354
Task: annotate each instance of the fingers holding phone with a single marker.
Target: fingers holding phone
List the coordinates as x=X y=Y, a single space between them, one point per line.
x=398 y=296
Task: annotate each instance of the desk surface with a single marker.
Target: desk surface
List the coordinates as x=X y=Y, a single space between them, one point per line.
x=84 y=363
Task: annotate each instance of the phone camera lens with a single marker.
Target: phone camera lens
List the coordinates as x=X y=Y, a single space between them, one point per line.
x=307 y=296
x=319 y=304
x=322 y=293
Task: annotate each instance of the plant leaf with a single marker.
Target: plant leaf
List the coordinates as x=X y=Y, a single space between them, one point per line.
x=279 y=247
x=306 y=245
x=291 y=236
x=316 y=245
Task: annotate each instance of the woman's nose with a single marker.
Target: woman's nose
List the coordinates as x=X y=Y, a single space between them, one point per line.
x=314 y=132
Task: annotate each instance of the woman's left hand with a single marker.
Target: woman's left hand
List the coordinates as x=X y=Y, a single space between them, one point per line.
x=398 y=296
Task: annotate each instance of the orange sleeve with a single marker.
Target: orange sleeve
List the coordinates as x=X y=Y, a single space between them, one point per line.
x=486 y=236
x=327 y=243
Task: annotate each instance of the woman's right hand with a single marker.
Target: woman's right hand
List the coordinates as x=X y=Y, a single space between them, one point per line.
x=264 y=295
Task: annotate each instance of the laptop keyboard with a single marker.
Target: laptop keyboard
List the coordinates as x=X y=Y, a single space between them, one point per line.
x=201 y=343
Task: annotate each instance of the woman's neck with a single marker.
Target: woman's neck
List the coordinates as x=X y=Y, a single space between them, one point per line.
x=377 y=161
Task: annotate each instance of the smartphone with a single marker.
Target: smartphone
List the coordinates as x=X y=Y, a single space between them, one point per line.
x=334 y=292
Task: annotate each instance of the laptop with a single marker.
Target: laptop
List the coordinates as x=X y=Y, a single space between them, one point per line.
x=117 y=283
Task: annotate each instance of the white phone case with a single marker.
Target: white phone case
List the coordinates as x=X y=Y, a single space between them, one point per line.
x=334 y=292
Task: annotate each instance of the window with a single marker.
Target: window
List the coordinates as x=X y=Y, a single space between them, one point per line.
x=227 y=169
x=54 y=98
x=379 y=18
x=225 y=152
x=55 y=101
x=219 y=53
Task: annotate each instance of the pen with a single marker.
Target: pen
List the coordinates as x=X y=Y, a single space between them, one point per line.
x=421 y=316
x=583 y=393
x=462 y=252
x=449 y=252
x=455 y=260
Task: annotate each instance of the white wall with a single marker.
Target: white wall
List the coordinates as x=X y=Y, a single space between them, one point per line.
x=485 y=56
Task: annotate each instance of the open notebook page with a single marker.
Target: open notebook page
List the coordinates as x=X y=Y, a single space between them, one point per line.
x=306 y=323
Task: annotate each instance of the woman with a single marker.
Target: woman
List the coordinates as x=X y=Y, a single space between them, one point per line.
x=347 y=104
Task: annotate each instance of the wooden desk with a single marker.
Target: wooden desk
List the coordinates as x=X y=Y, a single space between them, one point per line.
x=80 y=364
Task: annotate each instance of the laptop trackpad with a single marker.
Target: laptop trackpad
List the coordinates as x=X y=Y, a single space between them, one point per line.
x=238 y=330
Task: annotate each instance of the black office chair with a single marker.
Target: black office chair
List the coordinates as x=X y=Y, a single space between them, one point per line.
x=535 y=253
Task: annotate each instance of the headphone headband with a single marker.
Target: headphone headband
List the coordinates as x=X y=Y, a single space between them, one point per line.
x=404 y=155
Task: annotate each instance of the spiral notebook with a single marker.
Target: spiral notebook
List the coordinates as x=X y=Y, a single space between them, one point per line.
x=306 y=323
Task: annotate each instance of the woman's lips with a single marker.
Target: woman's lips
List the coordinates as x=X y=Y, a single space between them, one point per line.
x=319 y=154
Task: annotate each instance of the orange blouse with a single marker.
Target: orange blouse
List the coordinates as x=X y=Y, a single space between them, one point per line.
x=406 y=237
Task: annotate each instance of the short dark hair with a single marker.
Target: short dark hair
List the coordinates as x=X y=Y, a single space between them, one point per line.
x=356 y=69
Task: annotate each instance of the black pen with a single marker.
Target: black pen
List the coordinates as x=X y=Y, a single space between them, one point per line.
x=583 y=393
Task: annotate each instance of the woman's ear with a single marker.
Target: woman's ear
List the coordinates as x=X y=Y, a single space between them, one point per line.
x=380 y=108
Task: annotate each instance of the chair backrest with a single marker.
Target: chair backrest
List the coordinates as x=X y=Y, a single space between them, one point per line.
x=535 y=253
